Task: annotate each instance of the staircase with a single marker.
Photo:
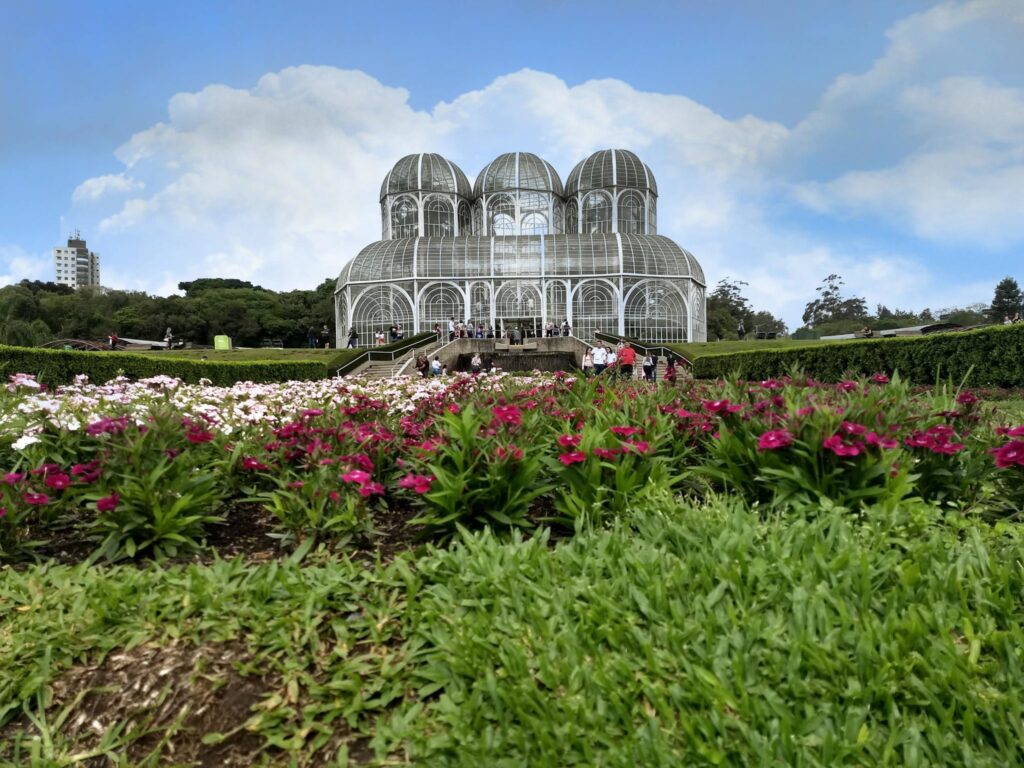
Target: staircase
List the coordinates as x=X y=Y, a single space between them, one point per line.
x=389 y=369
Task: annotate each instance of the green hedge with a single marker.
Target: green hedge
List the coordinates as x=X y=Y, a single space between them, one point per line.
x=54 y=367
x=992 y=356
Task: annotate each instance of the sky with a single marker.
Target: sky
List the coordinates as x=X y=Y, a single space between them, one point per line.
x=882 y=140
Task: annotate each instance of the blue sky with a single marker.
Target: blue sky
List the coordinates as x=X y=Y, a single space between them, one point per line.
x=881 y=140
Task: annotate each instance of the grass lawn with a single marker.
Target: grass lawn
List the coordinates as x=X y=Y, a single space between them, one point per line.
x=248 y=355
x=693 y=351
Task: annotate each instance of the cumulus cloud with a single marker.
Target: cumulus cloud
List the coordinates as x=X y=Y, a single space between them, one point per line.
x=95 y=188
x=17 y=264
x=278 y=183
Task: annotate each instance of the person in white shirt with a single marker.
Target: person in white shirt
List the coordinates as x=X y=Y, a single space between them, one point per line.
x=612 y=357
x=600 y=358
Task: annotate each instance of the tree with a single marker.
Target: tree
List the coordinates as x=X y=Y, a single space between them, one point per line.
x=831 y=306
x=1007 y=301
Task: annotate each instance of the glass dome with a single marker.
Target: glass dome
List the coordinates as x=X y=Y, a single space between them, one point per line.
x=517 y=170
x=425 y=172
x=610 y=169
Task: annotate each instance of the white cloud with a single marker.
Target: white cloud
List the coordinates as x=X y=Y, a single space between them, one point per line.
x=95 y=188
x=17 y=264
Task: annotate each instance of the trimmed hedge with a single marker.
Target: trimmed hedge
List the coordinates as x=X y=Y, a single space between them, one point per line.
x=54 y=366
x=996 y=354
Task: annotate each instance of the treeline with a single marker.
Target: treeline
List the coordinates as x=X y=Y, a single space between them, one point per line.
x=33 y=312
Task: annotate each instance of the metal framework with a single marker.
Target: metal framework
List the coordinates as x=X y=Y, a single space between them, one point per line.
x=520 y=250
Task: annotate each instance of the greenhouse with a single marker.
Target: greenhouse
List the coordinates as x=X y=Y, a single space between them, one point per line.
x=519 y=250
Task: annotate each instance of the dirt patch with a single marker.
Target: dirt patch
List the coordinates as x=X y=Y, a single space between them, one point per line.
x=155 y=704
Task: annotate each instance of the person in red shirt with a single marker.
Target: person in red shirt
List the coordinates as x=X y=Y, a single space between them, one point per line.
x=626 y=358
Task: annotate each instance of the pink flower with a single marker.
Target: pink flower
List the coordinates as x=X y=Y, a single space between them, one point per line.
x=3 y=511
x=720 y=406
x=805 y=411
x=84 y=469
x=356 y=476
x=108 y=503
x=569 y=441
x=453 y=408
x=878 y=441
x=510 y=414
x=196 y=436
x=572 y=458
x=1010 y=454
x=625 y=431
x=851 y=428
x=847 y=386
x=46 y=469
x=967 y=398
x=606 y=453
x=11 y=478
x=334 y=496
x=296 y=484
x=640 y=446
x=774 y=439
x=512 y=452
x=309 y=413
x=1016 y=431
x=58 y=481
x=371 y=489
x=840 y=448
x=35 y=499
x=418 y=483
x=251 y=463
x=880 y=378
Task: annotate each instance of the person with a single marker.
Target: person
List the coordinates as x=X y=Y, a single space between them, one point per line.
x=1016 y=318
x=310 y=337
x=435 y=367
x=517 y=335
x=549 y=329
x=670 y=369
x=600 y=358
x=380 y=337
x=168 y=336
x=654 y=367
x=399 y=333
x=648 y=366
x=613 y=359
x=588 y=362
x=866 y=332
x=112 y=338
x=1007 y=320
x=421 y=366
x=627 y=359
x=325 y=337
x=437 y=332
x=489 y=333
x=479 y=330
x=741 y=331
x=451 y=329
x=353 y=337
x=444 y=369
x=476 y=364
x=566 y=328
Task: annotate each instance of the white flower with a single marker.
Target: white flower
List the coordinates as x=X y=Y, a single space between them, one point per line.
x=24 y=442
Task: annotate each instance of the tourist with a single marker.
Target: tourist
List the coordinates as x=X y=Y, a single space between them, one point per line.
x=600 y=358
x=168 y=337
x=353 y=337
x=627 y=359
x=325 y=337
x=437 y=332
x=112 y=338
x=479 y=330
x=422 y=366
x=1016 y=319
x=648 y=367
x=399 y=333
x=670 y=369
x=310 y=337
x=1007 y=320
x=517 y=335
x=435 y=367
x=566 y=328
x=588 y=362
x=741 y=331
x=613 y=359
x=379 y=338
x=393 y=333
x=451 y=329
x=549 y=329
x=654 y=368
x=476 y=364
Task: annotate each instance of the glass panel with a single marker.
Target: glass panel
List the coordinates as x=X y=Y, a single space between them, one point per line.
x=535 y=224
x=437 y=304
x=438 y=218
x=597 y=213
x=465 y=225
x=631 y=213
x=572 y=214
x=501 y=215
x=376 y=309
x=655 y=311
x=595 y=308
x=404 y=218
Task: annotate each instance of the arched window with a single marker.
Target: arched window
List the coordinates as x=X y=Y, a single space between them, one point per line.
x=501 y=215
x=405 y=218
x=478 y=218
x=597 y=213
x=376 y=309
x=438 y=218
x=535 y=224
x=556 y=301
x=652 y=216
x=480 y=303
x=384 y=233
x=655 y=311
x=572 y=218
x=438 y=303
x=595 y=307
x=559 y=227
x=631 y=213
x=465 y=226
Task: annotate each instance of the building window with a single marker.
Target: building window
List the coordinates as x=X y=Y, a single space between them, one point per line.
x=535 y=224
x=438 y=218
x=404 y=218
x=465 y=226
x=572 y=218
x=597 y=213
x=501 y=215
x=631 y=213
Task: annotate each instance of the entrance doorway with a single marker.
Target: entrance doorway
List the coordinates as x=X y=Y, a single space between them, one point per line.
x=530 y=327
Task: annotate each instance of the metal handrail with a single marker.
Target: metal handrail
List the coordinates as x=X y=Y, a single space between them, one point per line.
x=659 y=349
x=390 y=353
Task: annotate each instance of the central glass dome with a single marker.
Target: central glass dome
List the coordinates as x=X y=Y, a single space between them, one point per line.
x=518 y=193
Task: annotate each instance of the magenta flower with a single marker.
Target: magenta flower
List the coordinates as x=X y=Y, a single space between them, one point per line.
x=847 y=386
x=418 y=483
x=888 y=443
x=108 y=503
x=251 y=463
x=774 y=439
x=721 y=406
x=371 y=489
x=606 y=453
x=572 y=458
x=35 y=499
x=640 y=446
x=625 y=431
x=58 y=481
x=880 y=378
x=12 y=478
x=309 y=413
x=510 y=414
x=1009 y=455
x=841 y=448
x=569 y=441
x=852 y=428
x=46 y=469
x=513 y=452
x=356 y=476
x=967 y=398
x=85 y=469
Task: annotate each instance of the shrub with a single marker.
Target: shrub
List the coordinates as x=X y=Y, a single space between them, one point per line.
x=54 y=367
x=985 y=357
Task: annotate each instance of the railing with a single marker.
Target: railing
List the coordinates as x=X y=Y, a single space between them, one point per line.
x=388 y=353
x=658 y=349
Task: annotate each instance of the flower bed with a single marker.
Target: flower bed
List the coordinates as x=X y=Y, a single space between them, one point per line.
x=146 y=468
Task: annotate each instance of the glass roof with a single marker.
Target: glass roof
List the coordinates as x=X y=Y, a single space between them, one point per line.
x=610 y=168
x=425 y=172
x=533 y=256
x=517 y=170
